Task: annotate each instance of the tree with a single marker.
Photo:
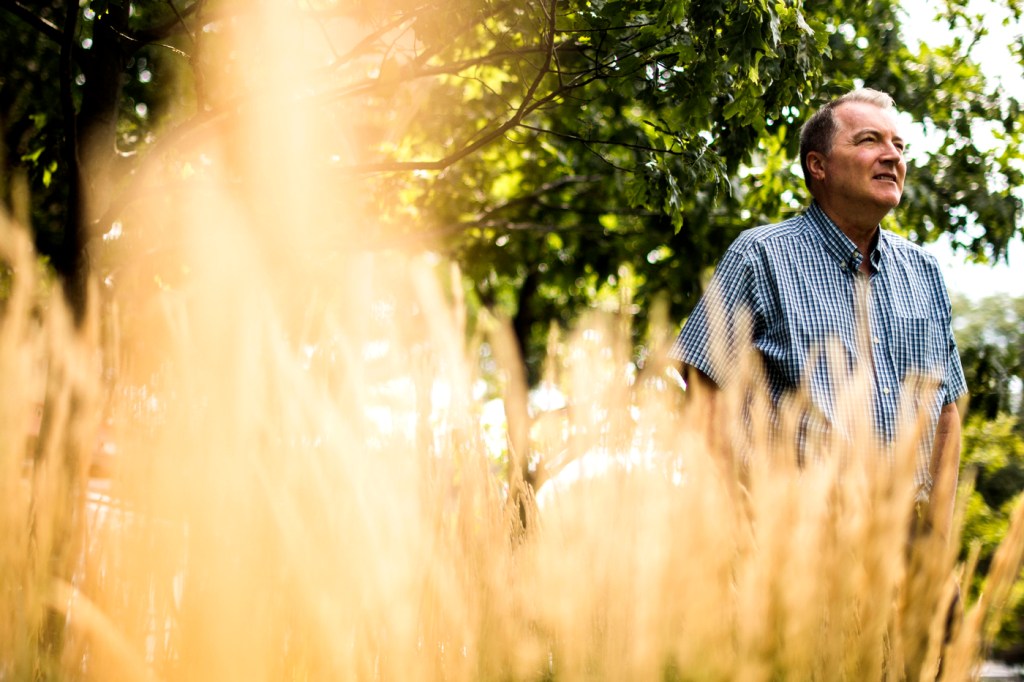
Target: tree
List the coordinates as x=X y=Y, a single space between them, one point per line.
x=680 y=133
x=994 y=453
x=990 y=336
x=990 y=333
x=75 y=106
x=555 y=148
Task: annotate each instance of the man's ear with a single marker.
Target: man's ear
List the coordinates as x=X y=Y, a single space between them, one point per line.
x=816 y=165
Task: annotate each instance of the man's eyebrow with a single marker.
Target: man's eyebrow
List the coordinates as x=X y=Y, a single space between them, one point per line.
x=865 y=132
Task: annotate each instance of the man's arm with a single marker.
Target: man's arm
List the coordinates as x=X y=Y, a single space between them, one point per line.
x=698 y=380
x=702 y=395
x=945 y=468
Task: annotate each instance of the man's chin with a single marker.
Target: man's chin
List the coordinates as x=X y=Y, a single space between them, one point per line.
x=889 y=201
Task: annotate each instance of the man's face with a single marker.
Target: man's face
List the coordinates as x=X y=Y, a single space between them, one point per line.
x=866 y=165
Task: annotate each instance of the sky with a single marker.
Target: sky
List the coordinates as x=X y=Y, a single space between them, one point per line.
x=999 y=63
x=977 y=281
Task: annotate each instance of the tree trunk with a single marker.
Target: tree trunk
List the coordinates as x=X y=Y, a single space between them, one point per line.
x=90 y=139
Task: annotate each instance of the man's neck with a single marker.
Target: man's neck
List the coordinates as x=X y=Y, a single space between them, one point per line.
x=861 y=226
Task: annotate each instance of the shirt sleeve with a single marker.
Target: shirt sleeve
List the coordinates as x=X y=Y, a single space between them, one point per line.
x=708 y=341
x=954 y=384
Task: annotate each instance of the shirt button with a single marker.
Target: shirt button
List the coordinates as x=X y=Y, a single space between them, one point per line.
x=885 y=390
x=874 y=339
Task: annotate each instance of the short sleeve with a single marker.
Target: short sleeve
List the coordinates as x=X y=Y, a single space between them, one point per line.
x=709 y=336
x=954 y=384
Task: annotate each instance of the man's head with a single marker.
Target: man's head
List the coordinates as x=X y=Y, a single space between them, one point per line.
x=851 y=153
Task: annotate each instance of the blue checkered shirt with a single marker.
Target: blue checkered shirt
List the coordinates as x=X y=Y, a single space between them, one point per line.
x=797 y=285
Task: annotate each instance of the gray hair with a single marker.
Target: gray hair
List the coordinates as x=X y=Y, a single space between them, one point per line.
x=820 y=129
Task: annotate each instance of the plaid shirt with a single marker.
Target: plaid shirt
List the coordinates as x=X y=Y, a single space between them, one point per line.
x=798 y=284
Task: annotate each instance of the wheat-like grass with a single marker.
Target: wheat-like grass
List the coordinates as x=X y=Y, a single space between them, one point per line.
x=302 y=489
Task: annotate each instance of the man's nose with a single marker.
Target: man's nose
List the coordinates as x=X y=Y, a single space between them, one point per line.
x=891 y=153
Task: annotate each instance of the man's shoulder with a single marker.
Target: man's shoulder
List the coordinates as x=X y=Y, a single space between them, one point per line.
x=786 y=230
x=908 y=251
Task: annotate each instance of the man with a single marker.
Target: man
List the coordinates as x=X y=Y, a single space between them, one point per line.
x=802 y=282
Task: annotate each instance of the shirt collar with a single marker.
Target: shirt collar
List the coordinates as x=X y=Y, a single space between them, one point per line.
x=881 y=250
x=841 y=247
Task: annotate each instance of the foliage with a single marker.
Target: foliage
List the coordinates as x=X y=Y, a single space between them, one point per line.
x=594 y=175
x=546 y=144
x=989 y=336
x=32 y=122
x=86 y=86
x=993 y=452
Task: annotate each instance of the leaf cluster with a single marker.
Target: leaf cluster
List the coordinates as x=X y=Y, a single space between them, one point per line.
x=548 y=146
x=990 y=336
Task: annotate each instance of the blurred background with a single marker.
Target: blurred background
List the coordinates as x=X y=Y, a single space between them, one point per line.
x=548 y=158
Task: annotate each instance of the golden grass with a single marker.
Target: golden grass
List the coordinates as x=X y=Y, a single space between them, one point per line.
x=293 y=496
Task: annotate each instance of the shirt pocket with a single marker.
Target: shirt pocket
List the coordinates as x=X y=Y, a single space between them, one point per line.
x=918 y=348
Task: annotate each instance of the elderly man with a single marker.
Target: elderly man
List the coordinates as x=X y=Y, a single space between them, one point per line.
x=803 y=281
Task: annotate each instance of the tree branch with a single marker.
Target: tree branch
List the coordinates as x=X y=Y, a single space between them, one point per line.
x=469 y=25
x=525 y=107
x=44 y=26
x=68 y=259
x=412 y=72
x=361 y=47
x=623 y=27
x=67 y=102
x=181 y=19
x=579 y=79
x=523 y=226
x=627 y=212
x=193 y=131
x=167 y=29
x=538 y=193
x=607 y=143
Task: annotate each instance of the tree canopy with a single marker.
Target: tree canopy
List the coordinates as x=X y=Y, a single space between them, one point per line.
x=559 y=150
x=991 y=343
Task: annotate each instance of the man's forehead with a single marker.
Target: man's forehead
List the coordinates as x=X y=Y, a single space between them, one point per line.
x=857 y=117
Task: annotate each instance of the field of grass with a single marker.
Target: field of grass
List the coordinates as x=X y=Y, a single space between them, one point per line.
x=262 y=457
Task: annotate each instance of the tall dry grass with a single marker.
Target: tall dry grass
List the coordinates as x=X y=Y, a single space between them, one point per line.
x=301 y=488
